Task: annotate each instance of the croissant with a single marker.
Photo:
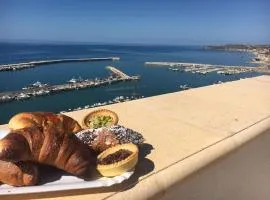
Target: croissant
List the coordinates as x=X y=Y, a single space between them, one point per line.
x=28 y=119
x=18 y=174
x=48 y=145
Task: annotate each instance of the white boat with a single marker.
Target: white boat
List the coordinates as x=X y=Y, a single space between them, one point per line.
x=39 y=93
x=185 y=87
x=203 y=72
x=174 y=69
x=37 y=84
x=79 y=108
x=5 y=98
x=73 y=80
x=22 y=96
x=46 y=91
x=220 y=72
x=34 y=85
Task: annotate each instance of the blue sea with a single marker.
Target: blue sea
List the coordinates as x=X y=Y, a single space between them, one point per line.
x=154 y=80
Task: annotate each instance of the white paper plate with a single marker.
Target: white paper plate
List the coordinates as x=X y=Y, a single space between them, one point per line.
x=65 y=183
x=60 y=182
x=4 y=132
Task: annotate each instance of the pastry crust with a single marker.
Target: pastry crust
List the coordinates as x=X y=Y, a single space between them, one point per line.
x=40 y=119
x=122 y=166
x=18 y=174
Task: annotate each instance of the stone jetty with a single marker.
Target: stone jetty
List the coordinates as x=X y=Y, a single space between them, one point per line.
x=26 y=65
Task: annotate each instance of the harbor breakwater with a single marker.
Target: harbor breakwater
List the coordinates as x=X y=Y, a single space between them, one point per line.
x=45 y=89
x=26 y=65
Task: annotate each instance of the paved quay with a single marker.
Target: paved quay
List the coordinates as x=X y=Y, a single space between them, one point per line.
x=45 y=89
x=207 y=68
x=193 y=138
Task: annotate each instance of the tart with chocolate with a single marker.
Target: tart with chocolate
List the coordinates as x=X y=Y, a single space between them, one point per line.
x=100 y=118
x=117 y=160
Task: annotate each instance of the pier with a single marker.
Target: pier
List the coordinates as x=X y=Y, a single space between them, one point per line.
x=121 y=74
x=207 y=68
x=26 y=65
x=38 y=89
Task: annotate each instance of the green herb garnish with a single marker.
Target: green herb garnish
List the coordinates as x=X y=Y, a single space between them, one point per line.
x=100 y=121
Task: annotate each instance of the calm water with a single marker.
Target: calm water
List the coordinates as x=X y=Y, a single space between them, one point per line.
x=154 y=80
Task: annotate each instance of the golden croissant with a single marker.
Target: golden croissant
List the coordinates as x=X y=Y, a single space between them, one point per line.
x=51 y=147
x=47 y=138
x=39 y=119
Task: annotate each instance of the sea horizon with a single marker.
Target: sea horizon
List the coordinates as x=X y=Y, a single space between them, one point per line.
x=57 y=42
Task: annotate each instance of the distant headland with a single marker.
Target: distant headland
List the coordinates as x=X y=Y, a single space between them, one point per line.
x=261 y=52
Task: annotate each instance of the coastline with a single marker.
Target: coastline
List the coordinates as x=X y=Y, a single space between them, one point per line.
x=261 y=53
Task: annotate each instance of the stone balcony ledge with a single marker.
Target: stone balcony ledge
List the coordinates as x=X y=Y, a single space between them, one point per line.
x=197 y=143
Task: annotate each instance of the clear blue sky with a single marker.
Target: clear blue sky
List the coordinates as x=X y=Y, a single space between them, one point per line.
x=137 y=21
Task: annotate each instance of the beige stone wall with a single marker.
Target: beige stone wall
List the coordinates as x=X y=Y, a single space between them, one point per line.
x=241 y=175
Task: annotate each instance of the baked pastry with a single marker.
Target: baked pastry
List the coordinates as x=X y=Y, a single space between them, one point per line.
x=118 y=160
x=39 y=119
x=102 y=138
x=127 y=135
x=100 y=118
x=98 y=139
x=48 y=144
x=18 y=174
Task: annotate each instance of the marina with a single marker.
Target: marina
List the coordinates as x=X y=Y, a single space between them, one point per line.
x=207 y=68
x=27 y=65
x=154 y=81
x=40 y=89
